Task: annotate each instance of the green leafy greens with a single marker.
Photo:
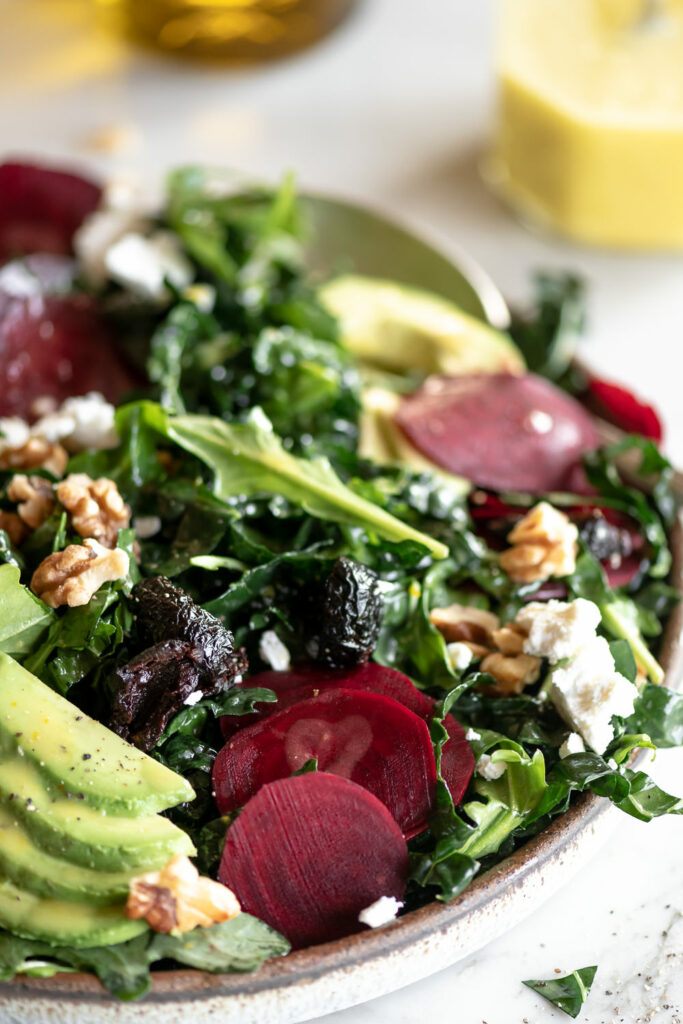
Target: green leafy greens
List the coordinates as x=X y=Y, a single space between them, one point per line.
x=568 y=993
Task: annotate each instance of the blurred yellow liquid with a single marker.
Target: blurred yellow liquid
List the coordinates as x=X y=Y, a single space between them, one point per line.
x=590 y=124
x=243 y=30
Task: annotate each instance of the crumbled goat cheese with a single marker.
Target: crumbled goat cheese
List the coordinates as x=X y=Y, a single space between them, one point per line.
x=143 y=264
x=84 y=421
x=460 y=655
x=101 y=230
x=14 y=432
x=382 y=911
x=472 y=734
x=193 y=698
x=572 y=745
x=146 y=526
x=588 y=691
x=490 y=769
x=558 y=629
x=273 y=651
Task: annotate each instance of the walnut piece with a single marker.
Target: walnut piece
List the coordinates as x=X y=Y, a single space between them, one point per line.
x=543 y=545
x=73 y=575
x=97 y=509
x=14 y=527
x=460 y=622
x=36 y=453
x=512 y=673
x=35 y=497
x=509 y=639
x=178 y=899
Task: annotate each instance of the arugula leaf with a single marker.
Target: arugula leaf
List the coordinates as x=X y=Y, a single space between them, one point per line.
x=568 y=993
x=241 y=944
x=23 y=618
x=658 y=712
x=249 y=459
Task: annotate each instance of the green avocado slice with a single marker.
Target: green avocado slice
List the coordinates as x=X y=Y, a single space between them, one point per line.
x=29 y=867
x=77 y=754
x=62 y=922
x=68 y=828
x=404 y=329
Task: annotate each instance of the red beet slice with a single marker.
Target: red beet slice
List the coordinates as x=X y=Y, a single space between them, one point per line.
x=57 y=346
x=625 y=410
x=457 y=760
x=307 y=854
x=365 y=737
x=41 y=208
x=305 y=681
x=500 y=431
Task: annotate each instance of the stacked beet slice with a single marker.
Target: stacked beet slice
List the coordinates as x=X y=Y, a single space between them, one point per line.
x=308 y=852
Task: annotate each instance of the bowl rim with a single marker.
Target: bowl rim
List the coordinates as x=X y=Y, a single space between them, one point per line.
x=315 y=962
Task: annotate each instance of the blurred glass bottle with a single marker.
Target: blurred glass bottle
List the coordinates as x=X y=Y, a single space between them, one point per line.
x=240 y=30
x=589 y=137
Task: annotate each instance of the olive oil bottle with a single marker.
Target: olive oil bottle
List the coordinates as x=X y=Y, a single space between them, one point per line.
x=238 y=30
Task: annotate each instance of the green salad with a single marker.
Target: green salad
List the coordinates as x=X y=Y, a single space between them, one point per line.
x=317 y=599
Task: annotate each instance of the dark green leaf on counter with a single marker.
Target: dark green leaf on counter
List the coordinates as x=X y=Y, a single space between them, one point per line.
x=568 y=993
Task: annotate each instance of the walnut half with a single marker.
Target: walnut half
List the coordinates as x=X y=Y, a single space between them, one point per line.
x=73 y=575
x=178 y=899
x=97 y=509
x=35 y=497
x=35 y=453
x=543 y=545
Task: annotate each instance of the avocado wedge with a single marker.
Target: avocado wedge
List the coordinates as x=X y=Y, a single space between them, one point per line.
x=68 y=828
x=77 y=754
x=62 y=922
x=24 y=863
x=404 y=329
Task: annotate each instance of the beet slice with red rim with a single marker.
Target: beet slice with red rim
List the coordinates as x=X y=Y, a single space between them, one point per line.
x=41 y=208
x=621 y=407
x=55 y=345
x=500 y=431
x=365 y=737
x=304 y=681
x=307 y=854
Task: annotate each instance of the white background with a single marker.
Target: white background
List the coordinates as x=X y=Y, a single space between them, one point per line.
x=396 y=107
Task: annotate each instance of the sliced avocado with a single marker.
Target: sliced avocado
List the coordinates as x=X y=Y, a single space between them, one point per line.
x=78 y=754
x=401 y=328
x=29 y=867
x=67 y=827
x=381 y=440
x=63 y=922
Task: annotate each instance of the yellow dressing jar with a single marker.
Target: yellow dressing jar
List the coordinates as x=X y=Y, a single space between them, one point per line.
x=589 y=137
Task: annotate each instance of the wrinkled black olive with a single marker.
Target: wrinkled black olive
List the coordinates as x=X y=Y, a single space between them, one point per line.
x=346 y=626
x=191 y=652
x=165 y=612
x=604 y=540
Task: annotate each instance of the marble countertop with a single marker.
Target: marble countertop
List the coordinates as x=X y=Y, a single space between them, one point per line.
x=395 y=108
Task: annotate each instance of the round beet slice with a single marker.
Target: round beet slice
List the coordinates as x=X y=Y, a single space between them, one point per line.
x=41 y=208
x=364 y=737
x=55 y=345
x=457 y=759
x=305 y=681
x=307 y=854
x=499 y=431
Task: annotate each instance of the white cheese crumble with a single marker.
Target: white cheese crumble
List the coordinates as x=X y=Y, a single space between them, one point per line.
x=146 y=526
x=472 y=734
x=558 y=629
x=382 y=911
x=490 y=769
x=14 y=432
x=99 y=232
x=84 y=421
x=460 y=655
x=273 y=651
x=588 y=691
x=193 y=698
x=572 y=745
x=142 y=264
